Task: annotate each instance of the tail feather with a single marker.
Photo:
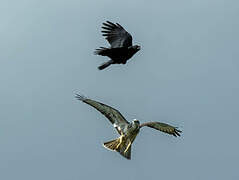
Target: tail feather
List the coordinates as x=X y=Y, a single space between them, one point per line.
x=102 y=51
x=105 y=65
x=114 y=146
x=126 y=154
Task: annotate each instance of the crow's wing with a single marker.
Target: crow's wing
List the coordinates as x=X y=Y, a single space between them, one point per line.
x=115 y=117
x=163 y=127
x=116 y=35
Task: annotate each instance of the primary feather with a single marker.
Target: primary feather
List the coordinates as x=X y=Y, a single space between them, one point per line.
x=128 y=131
x=121 y=48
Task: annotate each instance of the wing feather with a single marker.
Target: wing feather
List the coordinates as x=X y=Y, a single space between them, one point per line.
x=116 y=35
x=114 y=116
x=166 y=128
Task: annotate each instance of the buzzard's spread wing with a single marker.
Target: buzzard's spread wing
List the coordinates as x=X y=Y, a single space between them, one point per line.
x=115 y=117
x=116 y=35
x=163 y=127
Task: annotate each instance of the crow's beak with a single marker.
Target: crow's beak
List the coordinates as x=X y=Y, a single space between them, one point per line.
x=138 y=48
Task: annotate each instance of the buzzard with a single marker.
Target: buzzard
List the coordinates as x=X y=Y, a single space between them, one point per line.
x=128 y=131
x=121 y=48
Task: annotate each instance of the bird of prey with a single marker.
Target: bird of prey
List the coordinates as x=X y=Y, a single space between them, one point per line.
x=121 y=48
x=128 y=131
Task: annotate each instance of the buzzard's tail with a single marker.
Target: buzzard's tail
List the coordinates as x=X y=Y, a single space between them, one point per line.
x=117 y=145
x=105 y=65
x=112 y=145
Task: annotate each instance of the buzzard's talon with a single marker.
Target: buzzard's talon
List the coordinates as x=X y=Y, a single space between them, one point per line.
x=121 y=140
x=127 y=147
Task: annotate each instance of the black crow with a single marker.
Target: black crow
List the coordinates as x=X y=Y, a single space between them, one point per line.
x=121 y=48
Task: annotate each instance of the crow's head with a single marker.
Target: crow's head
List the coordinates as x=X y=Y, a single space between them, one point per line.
x=136 y=48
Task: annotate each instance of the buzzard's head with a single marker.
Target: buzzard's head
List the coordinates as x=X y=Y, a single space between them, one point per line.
x=135 y=123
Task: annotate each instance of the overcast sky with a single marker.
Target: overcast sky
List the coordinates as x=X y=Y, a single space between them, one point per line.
x=186 y=74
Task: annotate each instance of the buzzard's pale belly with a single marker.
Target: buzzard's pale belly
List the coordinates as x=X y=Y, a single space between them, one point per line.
x=131 y=135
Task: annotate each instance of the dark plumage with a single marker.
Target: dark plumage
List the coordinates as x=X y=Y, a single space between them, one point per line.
x=121 y=48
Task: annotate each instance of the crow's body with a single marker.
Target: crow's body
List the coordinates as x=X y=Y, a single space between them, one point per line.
x=121 y=48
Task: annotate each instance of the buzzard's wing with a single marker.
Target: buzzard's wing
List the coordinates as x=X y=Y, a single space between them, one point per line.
x=115 y=117
x=163 y=127
x=116 y=35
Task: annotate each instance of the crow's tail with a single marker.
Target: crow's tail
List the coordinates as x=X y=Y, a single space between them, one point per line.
x=105 y=65
x=102 y=51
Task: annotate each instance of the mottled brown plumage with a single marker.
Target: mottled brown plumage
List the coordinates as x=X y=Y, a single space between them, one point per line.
x=128 y=131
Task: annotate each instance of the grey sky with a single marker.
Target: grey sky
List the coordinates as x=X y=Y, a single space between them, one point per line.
x=185 y=74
